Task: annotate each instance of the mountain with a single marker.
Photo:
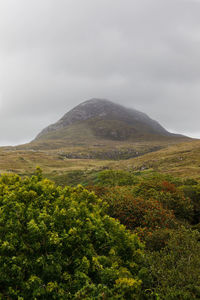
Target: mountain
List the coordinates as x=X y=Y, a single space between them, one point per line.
x=99 y=134
x=106 y=120
x=101 y=129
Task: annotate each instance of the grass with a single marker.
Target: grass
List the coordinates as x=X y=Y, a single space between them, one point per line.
x=181 y=159
x=25 y=162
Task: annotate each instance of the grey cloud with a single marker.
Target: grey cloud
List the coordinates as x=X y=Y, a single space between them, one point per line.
x=144 y=54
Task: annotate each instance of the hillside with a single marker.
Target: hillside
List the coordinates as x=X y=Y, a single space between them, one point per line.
x=106 y=119
x=101 y=129
x=103 y=119
x=180 y=160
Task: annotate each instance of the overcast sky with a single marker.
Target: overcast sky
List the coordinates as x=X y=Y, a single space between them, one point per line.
x=54 y=54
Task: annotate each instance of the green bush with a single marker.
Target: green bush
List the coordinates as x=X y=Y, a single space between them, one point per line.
x=156 y=239
x=176 y=268
x=59 y=244
x=116 y=178
x=193 y=192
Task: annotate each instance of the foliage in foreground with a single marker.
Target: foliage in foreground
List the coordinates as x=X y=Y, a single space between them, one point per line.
x=164 y=211
x=59 y=244
x=176 y=268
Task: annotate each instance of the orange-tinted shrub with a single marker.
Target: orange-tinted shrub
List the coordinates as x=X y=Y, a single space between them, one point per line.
x=137 y=211
x=170 y=196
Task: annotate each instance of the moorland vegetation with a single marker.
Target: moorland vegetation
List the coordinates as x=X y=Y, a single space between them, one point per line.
x=119 y=235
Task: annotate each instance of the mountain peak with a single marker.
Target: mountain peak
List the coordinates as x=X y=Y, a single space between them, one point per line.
x=107 y=119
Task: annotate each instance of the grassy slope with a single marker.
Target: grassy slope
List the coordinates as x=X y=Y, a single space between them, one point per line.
x=100 y=139
x=24 y=162
x=96 y=131
x=180 y=160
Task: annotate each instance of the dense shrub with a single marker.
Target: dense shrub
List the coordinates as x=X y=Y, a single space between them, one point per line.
x=193 y=192
x=154 y=207
x=145 y=216
x=100 y=191
x=112 y=178
x=168 y=194
x=155 y=240
x=67 y=178
x=138 y=212
x=59 y=244
x=176 y=268
x=164 y=188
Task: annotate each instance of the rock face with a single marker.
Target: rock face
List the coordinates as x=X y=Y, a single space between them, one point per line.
x=107 y=120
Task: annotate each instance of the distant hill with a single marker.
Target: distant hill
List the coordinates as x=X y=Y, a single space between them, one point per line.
x=100 y=134
x=103 y=119
x=101 y=129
